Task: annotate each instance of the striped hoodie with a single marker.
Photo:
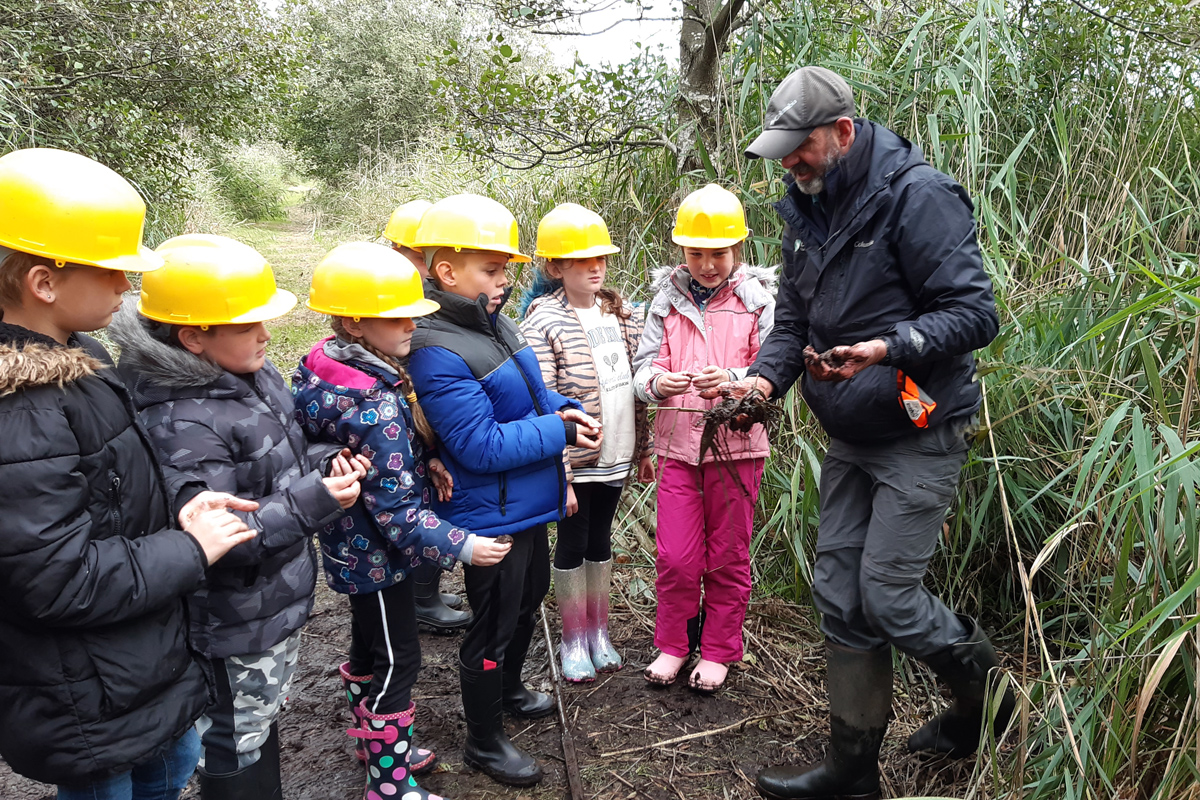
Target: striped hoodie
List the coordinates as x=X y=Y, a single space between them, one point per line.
x=565 y=357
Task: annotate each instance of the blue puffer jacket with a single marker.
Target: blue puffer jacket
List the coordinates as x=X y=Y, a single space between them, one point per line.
x=482 y=391
x=390 y=530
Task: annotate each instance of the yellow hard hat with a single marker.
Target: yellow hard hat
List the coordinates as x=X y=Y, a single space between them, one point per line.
x=71 y=209
x=470 y=222
x=711 y=217
x=361 y=279
x=572 y=231
x=402 y=226
x=212 y=280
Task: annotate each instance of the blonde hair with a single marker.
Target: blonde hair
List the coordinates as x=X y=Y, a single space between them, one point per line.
x=424 y=429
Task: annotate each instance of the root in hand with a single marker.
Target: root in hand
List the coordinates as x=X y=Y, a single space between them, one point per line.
x=737 y=413
x=834 y=358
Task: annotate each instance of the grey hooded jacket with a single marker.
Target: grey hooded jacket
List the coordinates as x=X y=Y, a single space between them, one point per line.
x=213 y=429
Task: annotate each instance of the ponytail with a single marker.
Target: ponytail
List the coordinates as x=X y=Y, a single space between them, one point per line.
x=424 y=429
x=611 y=302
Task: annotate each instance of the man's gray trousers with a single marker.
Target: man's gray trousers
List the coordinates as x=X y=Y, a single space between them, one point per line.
x=882 y=510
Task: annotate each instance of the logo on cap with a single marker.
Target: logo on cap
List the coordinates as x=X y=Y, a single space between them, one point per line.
x=783 y=111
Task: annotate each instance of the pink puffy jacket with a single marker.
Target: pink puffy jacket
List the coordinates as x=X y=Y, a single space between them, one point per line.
x=679 y=337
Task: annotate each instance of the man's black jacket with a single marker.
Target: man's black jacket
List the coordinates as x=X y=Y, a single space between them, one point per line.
x=899 y=262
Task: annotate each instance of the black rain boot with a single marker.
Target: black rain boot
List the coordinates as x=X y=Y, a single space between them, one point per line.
x=971 y=670
x=432 y=610
x=450 y=599
x=860 y=700
x=519 y=699
x=270 y=785
x=488 y=747
x=259 y=781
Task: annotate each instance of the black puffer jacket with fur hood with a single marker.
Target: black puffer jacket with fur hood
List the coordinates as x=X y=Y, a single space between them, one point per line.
x=97 y=674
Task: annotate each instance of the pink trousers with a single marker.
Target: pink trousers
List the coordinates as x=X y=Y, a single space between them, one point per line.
x=705 y=520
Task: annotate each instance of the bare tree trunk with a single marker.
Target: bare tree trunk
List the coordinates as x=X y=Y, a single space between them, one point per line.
x=705 y=32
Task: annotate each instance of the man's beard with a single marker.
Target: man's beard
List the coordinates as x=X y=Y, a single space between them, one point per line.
x=816 y=184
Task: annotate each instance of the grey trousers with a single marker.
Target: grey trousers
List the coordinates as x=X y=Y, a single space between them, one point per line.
x=882 y=509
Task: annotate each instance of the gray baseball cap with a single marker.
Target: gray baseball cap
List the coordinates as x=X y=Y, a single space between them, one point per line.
x=808 y=98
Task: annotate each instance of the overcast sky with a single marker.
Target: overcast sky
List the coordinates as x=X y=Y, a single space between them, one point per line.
x=619 y=42
x=614 y=29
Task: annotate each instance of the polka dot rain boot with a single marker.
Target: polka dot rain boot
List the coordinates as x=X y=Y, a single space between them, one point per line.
x=357 y=687
x=387 y=738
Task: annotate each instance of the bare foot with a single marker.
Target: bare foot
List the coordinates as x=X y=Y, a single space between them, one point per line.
x=664 y=670
x=708 y=676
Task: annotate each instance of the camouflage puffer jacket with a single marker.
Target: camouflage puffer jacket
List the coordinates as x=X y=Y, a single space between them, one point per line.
x=213 y=429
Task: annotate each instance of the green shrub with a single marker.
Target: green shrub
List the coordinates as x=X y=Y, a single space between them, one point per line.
x=128 y=82
x=254 y=179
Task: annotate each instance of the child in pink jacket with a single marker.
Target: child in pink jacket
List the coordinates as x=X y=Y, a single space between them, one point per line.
x=704 y=326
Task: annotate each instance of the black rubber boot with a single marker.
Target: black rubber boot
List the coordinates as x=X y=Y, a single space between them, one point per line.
x=488 y=747
x=971 y=670
x=519 y=699
x=259 y=781
x=450 y=599
x=432 y=610
x=860 y=700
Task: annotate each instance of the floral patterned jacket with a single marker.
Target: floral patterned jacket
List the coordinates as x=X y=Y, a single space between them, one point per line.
x=391 y=529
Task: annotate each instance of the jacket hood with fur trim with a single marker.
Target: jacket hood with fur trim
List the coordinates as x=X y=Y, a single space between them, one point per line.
x=767 y=276
x=679 y=336
x=93 y=573
x=754 y=286
x=29 y=360
x=154 y=361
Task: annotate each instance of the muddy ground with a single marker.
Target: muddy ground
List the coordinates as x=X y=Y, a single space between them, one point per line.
x=629 y=737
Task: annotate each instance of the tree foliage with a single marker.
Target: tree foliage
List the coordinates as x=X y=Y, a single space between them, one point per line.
x=365 y=83
x=527 y=118
x=120 y=80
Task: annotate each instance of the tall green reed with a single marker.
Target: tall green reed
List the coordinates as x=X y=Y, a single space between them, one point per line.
x=1074 y=532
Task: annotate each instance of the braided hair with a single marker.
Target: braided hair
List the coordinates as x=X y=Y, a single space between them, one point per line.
x=406 y=387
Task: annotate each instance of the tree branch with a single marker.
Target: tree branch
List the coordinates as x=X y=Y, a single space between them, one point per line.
x=1116 y=23
x=722 y=23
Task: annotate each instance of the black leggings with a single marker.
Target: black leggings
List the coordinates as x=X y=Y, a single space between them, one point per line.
x=588 y=532
x=505 y=598
x=384 y=644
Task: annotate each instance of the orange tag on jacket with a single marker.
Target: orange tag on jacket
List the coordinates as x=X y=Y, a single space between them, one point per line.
x=916 y=404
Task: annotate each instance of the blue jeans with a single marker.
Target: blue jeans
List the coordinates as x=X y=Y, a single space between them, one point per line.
x=160 y=778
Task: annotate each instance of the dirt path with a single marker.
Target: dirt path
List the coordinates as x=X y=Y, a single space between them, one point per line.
x=629 y=736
